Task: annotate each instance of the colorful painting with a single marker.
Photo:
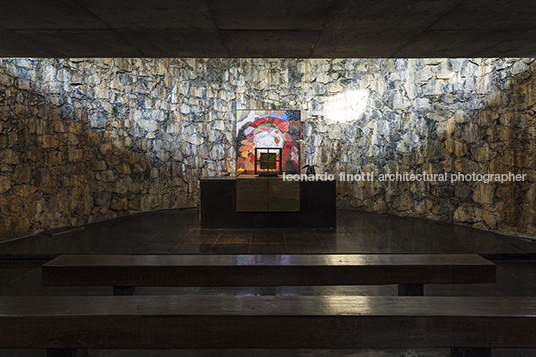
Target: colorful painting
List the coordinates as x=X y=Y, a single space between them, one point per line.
x=267 y=129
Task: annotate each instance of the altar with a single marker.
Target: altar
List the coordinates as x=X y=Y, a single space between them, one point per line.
x=266 y=202
x=261 y=195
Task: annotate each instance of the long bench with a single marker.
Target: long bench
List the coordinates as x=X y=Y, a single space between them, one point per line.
x=409 y=271
x=466 y=324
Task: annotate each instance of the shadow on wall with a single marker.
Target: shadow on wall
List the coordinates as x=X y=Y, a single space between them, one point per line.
x=488 y=130
x=505 y=144
x=65 y=163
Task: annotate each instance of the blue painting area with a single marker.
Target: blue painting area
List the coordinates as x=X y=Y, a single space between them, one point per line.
x=283 y=116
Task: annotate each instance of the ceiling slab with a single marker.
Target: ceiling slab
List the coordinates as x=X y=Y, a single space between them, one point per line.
x=457 y=43
x=269 y=43
x=489 y=15
x=364 y=44
x=82 y=43
x=175 y=42
x=523 y=46
x=388 y=16
x=15 y=45
x=275 y=28
x=47 y=15
x=271 y=15
x=153 y=14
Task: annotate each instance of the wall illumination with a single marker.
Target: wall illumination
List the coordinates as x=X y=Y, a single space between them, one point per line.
x=346 y=107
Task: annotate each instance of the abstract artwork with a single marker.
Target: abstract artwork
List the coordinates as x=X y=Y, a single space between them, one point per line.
x=268 y=129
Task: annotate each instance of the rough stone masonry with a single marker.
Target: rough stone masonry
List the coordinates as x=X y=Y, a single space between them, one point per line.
x=87 y=139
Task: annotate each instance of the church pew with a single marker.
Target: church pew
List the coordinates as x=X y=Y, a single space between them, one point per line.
x=409 y=271
x=468 y=325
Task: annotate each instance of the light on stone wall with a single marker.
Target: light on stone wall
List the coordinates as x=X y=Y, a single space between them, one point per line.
x=346 y=107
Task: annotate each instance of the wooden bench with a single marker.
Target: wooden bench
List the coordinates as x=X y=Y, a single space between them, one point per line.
x=409 y=271
x=63 y=323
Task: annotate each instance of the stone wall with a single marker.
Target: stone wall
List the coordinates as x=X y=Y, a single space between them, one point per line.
x=87 y=139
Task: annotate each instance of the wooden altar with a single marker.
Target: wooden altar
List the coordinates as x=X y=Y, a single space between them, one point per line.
x=267 y=202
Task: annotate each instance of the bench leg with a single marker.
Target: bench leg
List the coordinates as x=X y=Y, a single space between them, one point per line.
x=60 y=352
x=124 y=290
x=470 y=352
x=410 y=290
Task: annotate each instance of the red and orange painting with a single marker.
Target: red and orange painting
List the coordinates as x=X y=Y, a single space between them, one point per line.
x=267 y=129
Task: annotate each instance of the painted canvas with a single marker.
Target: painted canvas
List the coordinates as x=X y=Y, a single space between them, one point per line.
x=268 y=129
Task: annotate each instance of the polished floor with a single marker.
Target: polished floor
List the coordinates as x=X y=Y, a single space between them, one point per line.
x=177 y=232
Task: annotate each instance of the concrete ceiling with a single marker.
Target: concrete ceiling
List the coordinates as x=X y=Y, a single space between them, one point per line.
x=269 y=28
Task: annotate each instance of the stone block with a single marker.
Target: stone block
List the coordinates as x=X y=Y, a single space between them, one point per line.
x=466 y=212
x=22 y=226
x=75 y=155
x=512 y=216
x=113 y=160
x=5 y=184
x=443 y=191
x=134 y=204
x=505 y=192
x=120 y=186
x=6 y=80
x=460 y=149
x=443 y=209
x=119 y=204
x=48 y=141
x=9 y=157
x=99 y=165
x=54 y=158
x=156 y=201
x=50 y=185
x=106 y=148
x=23 y=173
x=490 y=217
x=483 y=193
x=403 y=203
x=24 y=190
x=463 y=190
x=80 y=189
x=107 y=176
x=123 y=168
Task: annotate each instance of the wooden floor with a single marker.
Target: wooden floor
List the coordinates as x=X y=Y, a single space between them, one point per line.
x=176 y=231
